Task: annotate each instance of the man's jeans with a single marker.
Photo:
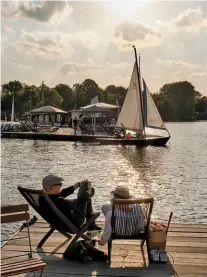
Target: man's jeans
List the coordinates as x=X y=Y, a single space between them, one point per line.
x=81 y=209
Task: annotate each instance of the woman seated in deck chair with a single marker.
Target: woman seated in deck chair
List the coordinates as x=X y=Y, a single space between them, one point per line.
x=129 y=221
x=76 y=210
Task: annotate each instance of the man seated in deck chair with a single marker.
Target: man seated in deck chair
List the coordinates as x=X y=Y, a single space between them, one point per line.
x=122 y=217
x=76 y=210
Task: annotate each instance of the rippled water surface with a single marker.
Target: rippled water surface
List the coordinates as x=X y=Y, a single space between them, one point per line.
x=176 y=175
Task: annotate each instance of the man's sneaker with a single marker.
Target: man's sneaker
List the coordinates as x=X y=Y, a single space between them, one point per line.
x=94 y=227
x=163 y=256
x=155 y=255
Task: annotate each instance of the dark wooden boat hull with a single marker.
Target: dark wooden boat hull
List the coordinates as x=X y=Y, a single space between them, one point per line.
x=154 y=141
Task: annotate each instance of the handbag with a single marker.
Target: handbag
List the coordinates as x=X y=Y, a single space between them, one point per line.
x=81 y=251
x=95 y=254
x=76 y=252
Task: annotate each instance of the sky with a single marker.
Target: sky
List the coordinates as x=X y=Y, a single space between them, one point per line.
x=69 y=41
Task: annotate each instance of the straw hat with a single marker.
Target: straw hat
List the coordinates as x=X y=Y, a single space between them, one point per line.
x=121 y=192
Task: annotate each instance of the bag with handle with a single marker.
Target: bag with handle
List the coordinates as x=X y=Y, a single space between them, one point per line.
x=76 y=252
x=158 y=234
x=95 y=254
x=81 y=251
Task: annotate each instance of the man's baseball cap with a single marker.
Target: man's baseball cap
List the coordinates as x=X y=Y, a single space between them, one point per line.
x=51 y=180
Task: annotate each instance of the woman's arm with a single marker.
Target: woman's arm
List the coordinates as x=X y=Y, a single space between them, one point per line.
x=107 y=230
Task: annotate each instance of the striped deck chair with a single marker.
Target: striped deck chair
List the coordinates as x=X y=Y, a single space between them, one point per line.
x=130 y=221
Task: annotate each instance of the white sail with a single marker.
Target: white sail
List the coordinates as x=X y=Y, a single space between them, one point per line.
x=12 y=113
x=152 y=116
x=131 y=114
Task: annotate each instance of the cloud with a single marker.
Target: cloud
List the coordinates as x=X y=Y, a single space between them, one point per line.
x=48 y=45
x=88 y=39
x=22 y=66
x=191 y=20
x=118 y=65
x=42 y=12
x=70 y=68
x=178 y=73
x=8 y=29
x=178 y=63
x=129 y=32
x=201 y=75
x=51 y=45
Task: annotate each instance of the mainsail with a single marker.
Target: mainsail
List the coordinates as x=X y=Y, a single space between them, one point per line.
x=152 y=118
x=130 y=116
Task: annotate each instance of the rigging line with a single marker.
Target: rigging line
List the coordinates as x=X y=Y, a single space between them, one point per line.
x=138 y=77
x=137 y=106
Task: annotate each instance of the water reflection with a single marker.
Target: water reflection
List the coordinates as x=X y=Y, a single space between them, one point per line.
x=175 y=176
x=39 y=145
x=146 y=163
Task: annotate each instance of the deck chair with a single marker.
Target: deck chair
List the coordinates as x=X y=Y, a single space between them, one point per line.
x=11 y=266
x=125 y=228
x=64 y=225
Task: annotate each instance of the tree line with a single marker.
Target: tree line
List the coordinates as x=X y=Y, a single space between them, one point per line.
x=177 y=101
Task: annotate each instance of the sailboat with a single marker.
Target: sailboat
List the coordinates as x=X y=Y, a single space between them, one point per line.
x=139 y=115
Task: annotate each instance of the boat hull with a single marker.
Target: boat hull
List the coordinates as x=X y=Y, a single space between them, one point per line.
x=153 y=141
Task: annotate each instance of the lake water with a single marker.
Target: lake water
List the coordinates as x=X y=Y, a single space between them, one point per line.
x=176 y=175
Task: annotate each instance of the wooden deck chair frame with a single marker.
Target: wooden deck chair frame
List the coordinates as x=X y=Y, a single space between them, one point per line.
x=141 y=236
x=69 y=226
x=16 y=213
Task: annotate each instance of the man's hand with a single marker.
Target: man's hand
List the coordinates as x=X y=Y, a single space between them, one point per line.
x=89 y=185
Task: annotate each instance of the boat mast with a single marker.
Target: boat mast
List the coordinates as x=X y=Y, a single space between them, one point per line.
x=138 y=75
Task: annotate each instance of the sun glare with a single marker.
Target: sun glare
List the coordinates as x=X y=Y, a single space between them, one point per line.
x=123 y=8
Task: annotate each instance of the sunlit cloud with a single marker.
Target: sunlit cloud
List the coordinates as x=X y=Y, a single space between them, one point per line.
x=129 y=32
x=70 y=68
x=202 y=75
x=8 y=29
x=40 y=11
x=22 y=66
x=48 y=45
x=178 y=63
x=51 y=45
x=118 y=65
x=191 y=20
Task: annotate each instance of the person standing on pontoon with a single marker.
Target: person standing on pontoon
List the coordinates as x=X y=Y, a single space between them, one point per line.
x=35 y=123
x=75 y=125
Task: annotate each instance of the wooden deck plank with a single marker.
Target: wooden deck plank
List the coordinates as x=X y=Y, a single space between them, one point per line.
x=57 y=238
x=174 y=225
x=186 y=245
x=183 y=233
x=49 y=249
x=136 y=256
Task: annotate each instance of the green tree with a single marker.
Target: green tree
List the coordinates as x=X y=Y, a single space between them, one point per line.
x=182 y=100
x=91 y=89
x=8 y=90
x=84 y=92
x=113 y=93
x=51 y=97
x=67 y=95
x=201 y=108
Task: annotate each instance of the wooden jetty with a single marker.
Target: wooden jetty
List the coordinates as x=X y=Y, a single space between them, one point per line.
x=186 y=247
x=51 y=136
x=67 y=134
